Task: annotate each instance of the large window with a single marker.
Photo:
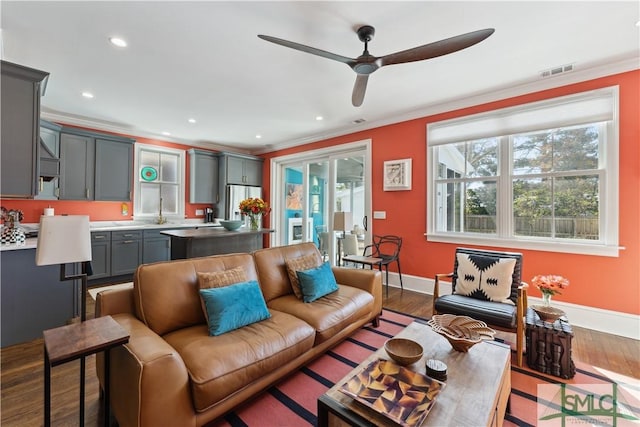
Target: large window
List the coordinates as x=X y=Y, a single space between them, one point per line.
x=539 y=176
x=159 y=183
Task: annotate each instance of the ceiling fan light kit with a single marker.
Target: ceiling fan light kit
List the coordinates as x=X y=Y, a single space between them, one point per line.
x=366 y=64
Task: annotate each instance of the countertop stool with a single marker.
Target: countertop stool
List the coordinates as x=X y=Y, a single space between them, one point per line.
x=77 y=341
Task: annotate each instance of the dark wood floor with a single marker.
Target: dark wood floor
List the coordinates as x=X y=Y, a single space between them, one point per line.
x=22 y=375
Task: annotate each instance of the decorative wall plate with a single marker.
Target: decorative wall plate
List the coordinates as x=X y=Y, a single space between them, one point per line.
x=149 y=173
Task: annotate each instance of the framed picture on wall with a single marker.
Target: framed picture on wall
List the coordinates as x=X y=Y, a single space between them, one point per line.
x=294 y=197
x=397 y=175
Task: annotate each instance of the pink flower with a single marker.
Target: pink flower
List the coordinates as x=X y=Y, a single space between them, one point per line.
x=550 y=284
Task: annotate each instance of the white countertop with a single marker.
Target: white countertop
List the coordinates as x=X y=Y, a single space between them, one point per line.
x=31 y=243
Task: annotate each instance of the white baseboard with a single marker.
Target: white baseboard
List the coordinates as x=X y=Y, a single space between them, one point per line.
x=608 y=321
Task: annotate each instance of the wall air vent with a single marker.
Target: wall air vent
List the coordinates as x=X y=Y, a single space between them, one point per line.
x=557 y=70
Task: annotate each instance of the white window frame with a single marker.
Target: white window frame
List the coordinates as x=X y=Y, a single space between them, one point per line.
x=137 y=202
x=599 y=105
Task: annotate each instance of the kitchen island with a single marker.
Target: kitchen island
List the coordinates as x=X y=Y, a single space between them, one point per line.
x=214 y=241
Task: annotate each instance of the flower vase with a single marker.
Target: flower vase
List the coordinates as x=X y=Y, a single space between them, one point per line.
x=546 y=299
x=254 y=221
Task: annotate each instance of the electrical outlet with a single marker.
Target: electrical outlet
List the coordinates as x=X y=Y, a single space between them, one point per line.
x=379 y=214
x=199 y=212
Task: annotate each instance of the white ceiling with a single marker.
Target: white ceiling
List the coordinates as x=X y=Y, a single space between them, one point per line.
x=203 y=60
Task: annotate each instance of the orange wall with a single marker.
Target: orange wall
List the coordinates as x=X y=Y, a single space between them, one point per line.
x=98 y=211
x=603 y=282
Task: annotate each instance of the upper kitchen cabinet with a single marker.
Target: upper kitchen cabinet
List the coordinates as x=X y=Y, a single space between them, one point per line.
x=77 y=157
x=203 y=176
x=95 y=166
x=114 y=168
x=21 y=91
x=240 y=169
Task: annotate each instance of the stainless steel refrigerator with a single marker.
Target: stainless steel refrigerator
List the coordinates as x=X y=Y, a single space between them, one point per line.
x=234 y=195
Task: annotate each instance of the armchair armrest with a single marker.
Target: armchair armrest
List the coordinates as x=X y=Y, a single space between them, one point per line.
x=522 y=297
x=436 y=289
x=114 y=301
x=367 y=280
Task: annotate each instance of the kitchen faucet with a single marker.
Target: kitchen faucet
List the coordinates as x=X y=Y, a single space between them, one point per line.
x=161 y=219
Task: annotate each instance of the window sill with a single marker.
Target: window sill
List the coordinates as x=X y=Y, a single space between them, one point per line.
x=563 y=247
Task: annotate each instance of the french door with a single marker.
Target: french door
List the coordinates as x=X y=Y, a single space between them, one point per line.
x=323 y=196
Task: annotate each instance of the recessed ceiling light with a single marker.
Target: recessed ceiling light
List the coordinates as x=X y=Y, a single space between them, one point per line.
x=191 y=120
x=87 y=95
x=258 y=136
x=165 y=133
x=319 y=118
x=117 y=41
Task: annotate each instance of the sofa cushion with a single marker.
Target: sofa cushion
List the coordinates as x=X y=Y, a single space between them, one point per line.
x=484 y=277
x=329 y=314
x=272 y=269
x=234 y=306
x=300 y=264
x=166 y=294
x=317 y=282
x=220 y=366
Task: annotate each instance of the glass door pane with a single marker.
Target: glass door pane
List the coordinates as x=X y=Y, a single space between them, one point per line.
x=349 y=206
x=318 y=206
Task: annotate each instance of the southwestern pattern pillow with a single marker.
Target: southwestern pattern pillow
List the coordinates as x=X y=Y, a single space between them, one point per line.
x=484 y=277
x=302 y=263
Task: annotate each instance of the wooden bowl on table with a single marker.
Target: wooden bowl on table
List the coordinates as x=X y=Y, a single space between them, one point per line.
x=403 y=351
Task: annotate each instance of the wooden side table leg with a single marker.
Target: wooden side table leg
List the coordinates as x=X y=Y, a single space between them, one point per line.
x=107 y=380
x=82 y=375
x=47 y=389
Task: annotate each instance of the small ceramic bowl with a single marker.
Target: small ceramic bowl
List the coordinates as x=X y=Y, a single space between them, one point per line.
x=403 y=351
x=231 y=225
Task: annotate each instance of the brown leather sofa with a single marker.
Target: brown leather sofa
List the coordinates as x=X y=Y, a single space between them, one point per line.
x=172 y=373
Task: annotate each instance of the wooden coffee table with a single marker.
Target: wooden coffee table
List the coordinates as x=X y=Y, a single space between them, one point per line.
x=477 y=390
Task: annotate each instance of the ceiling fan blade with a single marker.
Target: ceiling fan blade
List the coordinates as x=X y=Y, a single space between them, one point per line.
x=439 y=48
x=308 y=49
x=359 y=89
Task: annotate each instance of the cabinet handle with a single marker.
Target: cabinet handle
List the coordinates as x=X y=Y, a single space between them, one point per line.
x=41 y=184
x=127 y=235
x=86 y=193
x=57 y=192
x=126 y=242
x=98 y=237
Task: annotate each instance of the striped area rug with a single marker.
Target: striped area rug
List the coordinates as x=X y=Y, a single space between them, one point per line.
x=293 y=401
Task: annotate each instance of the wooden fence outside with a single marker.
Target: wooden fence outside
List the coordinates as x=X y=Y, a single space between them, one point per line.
x=569 y=228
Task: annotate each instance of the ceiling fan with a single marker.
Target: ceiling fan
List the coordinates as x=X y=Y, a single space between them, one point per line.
x=366 y=63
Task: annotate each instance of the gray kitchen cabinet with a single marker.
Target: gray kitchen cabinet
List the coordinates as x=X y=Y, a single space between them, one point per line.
x=203 y=176
x=77 y=157
x=156 y=246
x=20 y=129
x=242 y=170
x=126 y=251
x=100 y=254
x=33 y=297
x=49 y=179
x=114 y=169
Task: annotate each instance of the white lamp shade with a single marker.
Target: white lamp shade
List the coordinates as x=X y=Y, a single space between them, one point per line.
x=342 y=221
x=63 y=239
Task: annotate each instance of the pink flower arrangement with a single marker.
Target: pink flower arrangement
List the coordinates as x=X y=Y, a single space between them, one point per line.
x=550 y=284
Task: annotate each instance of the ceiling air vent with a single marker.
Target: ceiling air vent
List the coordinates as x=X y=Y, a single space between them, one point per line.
x=358 y=121
x=557 y=70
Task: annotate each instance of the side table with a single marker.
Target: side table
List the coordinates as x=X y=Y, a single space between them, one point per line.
x=549 y=345
x=76 y=341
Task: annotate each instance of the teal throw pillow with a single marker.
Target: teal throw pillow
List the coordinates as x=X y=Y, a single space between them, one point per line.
x=317 y=282
x=234 y=306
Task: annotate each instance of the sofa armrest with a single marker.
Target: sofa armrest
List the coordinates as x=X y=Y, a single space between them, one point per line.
x=436 y=289
x=367 y=280
x=114 y=301
x=147 y=366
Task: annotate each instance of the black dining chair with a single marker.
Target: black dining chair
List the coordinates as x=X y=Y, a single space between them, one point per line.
x=386 y=248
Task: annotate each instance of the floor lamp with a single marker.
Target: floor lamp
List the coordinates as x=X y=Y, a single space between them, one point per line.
x=62 y=240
